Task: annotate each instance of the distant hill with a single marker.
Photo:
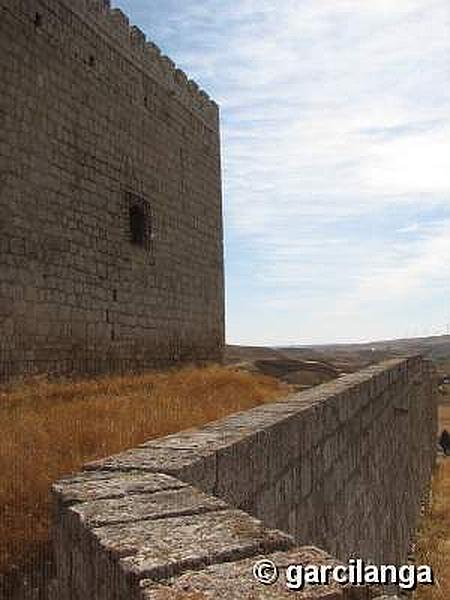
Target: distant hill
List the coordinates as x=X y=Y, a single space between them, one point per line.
x=305 y=366
x=302 y=368
x=436 y=347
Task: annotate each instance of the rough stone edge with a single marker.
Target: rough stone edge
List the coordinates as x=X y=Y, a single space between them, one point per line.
x=267 y=545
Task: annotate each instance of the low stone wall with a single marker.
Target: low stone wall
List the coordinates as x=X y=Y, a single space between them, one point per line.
x=341 y=467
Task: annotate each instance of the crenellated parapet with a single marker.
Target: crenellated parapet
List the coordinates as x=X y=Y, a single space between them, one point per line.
x=132 y=40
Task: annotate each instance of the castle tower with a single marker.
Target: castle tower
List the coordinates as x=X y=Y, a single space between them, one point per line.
x=111 y=253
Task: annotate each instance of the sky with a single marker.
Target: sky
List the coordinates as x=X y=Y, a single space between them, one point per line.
x=335 y=133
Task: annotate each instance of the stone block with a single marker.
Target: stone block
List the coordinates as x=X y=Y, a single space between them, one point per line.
x=235 y=581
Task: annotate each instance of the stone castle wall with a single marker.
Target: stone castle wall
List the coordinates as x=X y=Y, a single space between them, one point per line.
x=341 y=467
x=97 y=128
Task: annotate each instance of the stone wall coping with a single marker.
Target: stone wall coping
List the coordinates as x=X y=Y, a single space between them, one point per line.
x=171 y=519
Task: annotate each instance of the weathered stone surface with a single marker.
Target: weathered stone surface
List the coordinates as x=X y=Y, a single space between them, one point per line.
x=103 y=485
x=144 y=506
x=203 y=441
x=150 y=458
x=163 y=548
x=187 y=464
x=235 y=581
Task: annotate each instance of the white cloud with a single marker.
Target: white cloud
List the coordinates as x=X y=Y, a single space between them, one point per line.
x=426 y=266
x=335 y=133
x=409 y=228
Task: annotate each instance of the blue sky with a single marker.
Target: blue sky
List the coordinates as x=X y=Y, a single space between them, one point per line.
x=335 y=118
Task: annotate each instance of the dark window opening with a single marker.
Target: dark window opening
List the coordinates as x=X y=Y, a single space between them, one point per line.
x=137 y=224
x=91 y=60
x=37 y=20
x=140 y=221
x=115 y=295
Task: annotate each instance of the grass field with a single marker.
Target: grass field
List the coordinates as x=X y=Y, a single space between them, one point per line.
x=433 y=546
x=444 y=413
x=48 y=429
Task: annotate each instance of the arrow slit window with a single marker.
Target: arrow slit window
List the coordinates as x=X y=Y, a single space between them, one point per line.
x=140 y=219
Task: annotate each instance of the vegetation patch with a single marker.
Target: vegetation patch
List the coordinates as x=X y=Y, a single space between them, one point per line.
x=51 y=428
x=433 y=544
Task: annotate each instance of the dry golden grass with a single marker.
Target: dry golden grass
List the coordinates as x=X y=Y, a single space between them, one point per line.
x=433 y=546
x=444 y=417
x=48 y=429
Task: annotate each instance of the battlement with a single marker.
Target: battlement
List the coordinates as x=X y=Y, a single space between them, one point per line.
x=131 y=41
x=150 y=54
